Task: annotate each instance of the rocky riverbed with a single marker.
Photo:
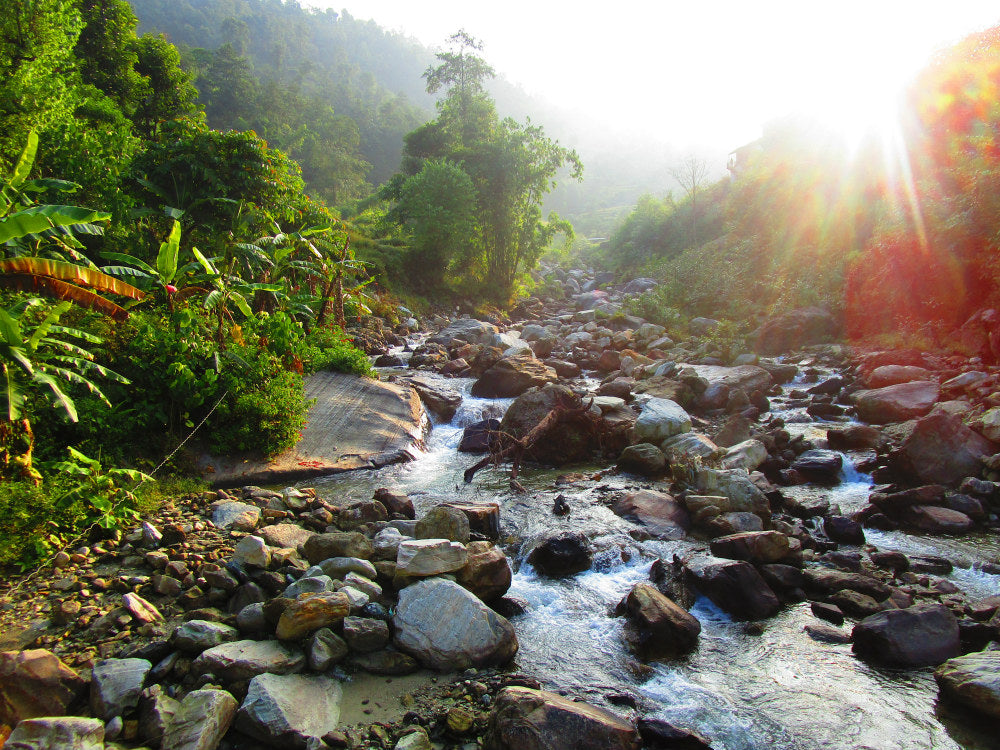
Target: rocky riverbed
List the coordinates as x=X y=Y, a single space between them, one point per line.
x=793 y=546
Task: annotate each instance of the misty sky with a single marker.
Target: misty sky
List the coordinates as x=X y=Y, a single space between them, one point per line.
x=699 y=72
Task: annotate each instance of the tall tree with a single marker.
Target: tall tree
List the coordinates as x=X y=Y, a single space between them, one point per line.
x=462 y=73
x=691 y=175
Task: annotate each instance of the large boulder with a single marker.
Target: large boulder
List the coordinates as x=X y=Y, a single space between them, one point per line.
x=57 y=733
x=512 y=376
x=568 y=442
x=739 y=493
x=440 y=401
x=644 y=459
x=526 y=719
x=782 y=333
x=320 y=547
x=973 y=680
x=465 y=331
x=897 y=403
x=289 y=710
x=445 y=627
x=310 y=612
x=934 y=519
x=734 y=586
x=923 y=635
x=561 y=554
x=942 y=450
x=658 y=628
x=36 y=683
x=659 y=513
x=819 y=465
x=747 y=378
x=660 y=419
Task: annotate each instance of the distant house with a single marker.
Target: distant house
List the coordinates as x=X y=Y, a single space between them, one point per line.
x=741 y=157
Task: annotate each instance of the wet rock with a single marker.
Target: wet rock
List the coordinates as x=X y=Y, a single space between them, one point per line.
x=735 y=485
x=829 y=612
x=562 y=554
x=398 y=504
x=942 y=450
x=658 y=734
x=290 y=710
x=57 y=733
x=885 y=375
x=660 y=419
x=321 y=547
x=735 y=587
x=657 y=627
x=194 y=636
x=466 y=331
x=309 y=584
x=659 y=513
x=479 y=437
x=444 y=522
x=973 y=680
x=735 y=430
x=732 y=523
x=243 y=660
x=896 y=403
x=575 y=442
x=826 y=633
x=116 y=685
x=440 y=401
x=855 y=437
x=446 y=627
x=36 y=683
x=484 y=517
x=310 y=613
x=688 y=446
x=854 y=603
x=233 y=516
x=830 y=580
x=819 y=465
x=201 y=721
x=430 y=557
x=644 y=459
x=486 y=573
x=752 y=546
x=526 y=719
x=843 y=530
x=338 y=567
x=919 y=636
x=513 y=376
x=936 y=520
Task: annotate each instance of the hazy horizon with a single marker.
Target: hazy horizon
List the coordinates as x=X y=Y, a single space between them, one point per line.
x=707 y=75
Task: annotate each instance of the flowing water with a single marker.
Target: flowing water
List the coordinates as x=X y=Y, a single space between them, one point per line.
x=744 y=688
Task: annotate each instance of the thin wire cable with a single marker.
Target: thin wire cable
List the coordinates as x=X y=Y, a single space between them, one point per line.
x=125 y=497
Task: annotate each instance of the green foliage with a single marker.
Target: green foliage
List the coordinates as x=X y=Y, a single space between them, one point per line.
x=36 y=69
x=437 y=205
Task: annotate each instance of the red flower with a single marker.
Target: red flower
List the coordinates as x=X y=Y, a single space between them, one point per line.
x=171 y=289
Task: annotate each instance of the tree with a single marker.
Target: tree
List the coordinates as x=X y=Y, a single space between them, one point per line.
x=36 y=69
x=463 y=73
x=171 y=93
x=106 y=49
x=690 y=174
x=438 y=204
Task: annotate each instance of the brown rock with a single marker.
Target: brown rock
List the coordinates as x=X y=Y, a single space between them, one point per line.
x=942 y=450
x=525 y=719
x=486 y=573
x=896 y=403
x=752 y=546
x=658 y=628
x=36 y=683
x=311 y=612
x=661 y=515
x=919 y=636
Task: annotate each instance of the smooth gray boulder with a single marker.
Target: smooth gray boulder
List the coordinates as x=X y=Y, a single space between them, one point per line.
x=923 y=635
x=973 y=680
x=445 y=627
x=235 y=516
x=290 y=710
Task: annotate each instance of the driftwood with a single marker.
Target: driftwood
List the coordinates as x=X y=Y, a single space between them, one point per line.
x=565 y=411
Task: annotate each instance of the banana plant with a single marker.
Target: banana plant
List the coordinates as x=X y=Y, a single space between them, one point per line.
x=228 y=289
x=36 y=353
x=27 y=228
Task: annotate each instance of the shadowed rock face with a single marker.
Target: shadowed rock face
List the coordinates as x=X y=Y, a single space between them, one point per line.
x=973 y=680
x=920 y=636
